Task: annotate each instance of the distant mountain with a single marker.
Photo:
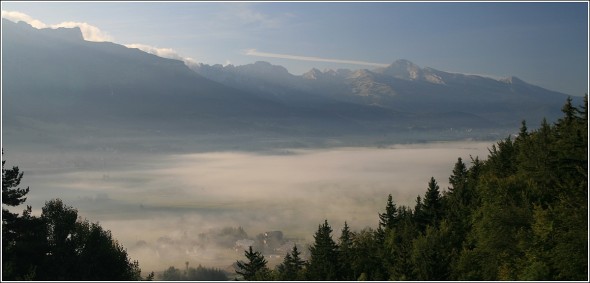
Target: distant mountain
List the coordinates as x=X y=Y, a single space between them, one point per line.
x=58 y=86
x=404 y=87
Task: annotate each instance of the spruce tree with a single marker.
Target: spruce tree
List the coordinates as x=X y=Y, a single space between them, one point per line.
x=388 y=219
x=323 y=264
x=458 y=179
x=255 y=268
x=345 y=254
x=292 y=266
x=432 y=207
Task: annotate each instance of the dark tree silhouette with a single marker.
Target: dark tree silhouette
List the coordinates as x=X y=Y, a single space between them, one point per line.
x=255 y=268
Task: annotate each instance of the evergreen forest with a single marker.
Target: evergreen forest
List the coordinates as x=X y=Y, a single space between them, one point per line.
x=522 y=214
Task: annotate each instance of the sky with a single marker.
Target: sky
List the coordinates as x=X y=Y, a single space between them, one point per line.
x=542 y=43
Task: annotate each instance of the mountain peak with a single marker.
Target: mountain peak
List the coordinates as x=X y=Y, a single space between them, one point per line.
x=512 y=80
x=264 y=66
x=67 y=34
x=403 y=62
x=402 y=69
x=312 y=74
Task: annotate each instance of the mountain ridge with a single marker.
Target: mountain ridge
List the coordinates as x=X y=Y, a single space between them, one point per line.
x=55 y=77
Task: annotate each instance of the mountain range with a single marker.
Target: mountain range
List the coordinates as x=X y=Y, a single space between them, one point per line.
x=57 y=86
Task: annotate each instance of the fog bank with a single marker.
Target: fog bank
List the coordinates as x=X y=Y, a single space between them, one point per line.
x=159 y=207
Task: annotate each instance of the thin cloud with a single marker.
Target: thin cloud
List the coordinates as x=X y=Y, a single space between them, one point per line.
x=162 y=52
x=246 y=14
x=89 y=32
x=92 y=33
x=18 y=17
x=254 y=52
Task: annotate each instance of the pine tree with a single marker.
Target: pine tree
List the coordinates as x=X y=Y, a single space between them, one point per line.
x=388 y=218
x=255 y=268
x=368 y=261
x=458 y=179
x=292 y=266
x=345 y=254
x=323 y=264
x=432 y=207
x=398 y=244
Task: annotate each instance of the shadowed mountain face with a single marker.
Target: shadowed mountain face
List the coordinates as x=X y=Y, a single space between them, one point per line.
x=60 y=87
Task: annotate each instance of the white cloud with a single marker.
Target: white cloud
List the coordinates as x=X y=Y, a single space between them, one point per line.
x=89 y=32
x=254 y=52
x=92 y=33
x=163 y=52
x=188 y=194
x=18 y=16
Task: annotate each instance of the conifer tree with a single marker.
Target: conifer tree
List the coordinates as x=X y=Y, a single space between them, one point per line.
x=388 y=219
x=458 y=179
x=323 y=263
x=432 y=207
x=292 y=266
x=255 y=268
x=345 y=254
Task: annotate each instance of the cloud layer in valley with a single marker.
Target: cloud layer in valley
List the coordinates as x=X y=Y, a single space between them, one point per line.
x=157 y=206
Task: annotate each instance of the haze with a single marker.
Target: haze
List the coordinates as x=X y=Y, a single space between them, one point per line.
x=145 y=200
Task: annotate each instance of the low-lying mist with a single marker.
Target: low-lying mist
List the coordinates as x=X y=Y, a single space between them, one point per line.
x=169 y=209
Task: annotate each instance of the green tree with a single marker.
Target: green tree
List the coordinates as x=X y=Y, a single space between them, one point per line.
x=202 y=273
x=502 y=158
x=345 y=254
x=292 y=267
x=389 y=217
x=398 y=246
x=12 y=196
x=80 y=250
x=458 y=179
x=323 y=263
x=22 y=237
x=432 y=253
x=172 y=274
x=255 y=268
x=368 y=262
x=58 y=246
x=432 y=207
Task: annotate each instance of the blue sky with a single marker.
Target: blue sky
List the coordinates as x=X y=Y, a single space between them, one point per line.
x=542 y=43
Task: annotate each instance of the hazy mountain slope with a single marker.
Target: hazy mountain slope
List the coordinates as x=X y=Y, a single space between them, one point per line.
x=403 y=87
x=62 y=88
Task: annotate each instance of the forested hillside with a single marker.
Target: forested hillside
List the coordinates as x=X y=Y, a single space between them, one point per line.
x=58 y=245
x=519 y=215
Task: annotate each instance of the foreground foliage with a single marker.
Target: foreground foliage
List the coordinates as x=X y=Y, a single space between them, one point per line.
x=193 y=274
x=519 y=215
x=57 y=245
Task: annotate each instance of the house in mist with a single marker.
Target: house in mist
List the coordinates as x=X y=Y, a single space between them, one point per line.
x=273 y=239
x=243 y=244
x=285 y=248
